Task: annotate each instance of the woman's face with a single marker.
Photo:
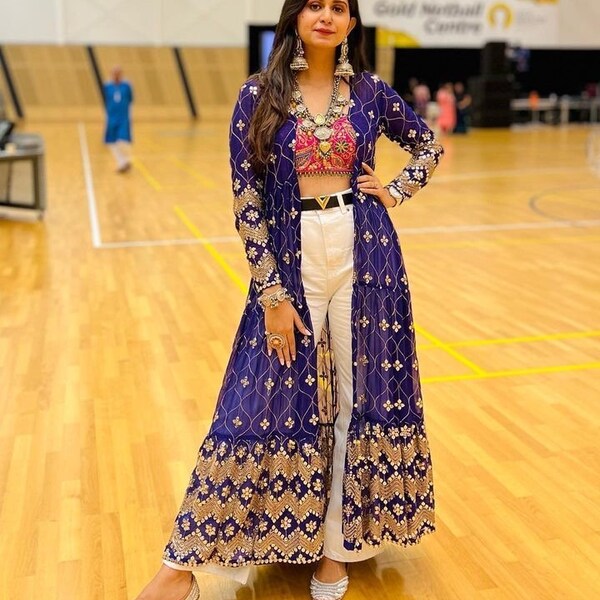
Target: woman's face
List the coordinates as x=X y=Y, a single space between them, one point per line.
x=325 y=23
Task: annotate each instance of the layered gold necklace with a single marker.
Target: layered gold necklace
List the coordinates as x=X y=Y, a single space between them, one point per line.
x=319 y=124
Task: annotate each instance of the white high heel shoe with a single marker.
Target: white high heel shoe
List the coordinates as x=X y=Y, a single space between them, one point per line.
x=328 y=591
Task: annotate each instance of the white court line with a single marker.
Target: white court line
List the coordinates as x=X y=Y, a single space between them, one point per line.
x=402 y=231
x=513 y=173
x=443 y=229
x=148 y=243
x=499 y=227
x=179 y=242
x=89 y=186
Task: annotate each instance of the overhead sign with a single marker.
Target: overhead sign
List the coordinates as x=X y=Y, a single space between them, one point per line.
x=465 y=23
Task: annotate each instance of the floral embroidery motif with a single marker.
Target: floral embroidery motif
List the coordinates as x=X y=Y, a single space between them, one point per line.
x=285 y=509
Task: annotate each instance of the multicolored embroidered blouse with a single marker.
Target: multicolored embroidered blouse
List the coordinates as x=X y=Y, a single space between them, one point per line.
x=334 y=156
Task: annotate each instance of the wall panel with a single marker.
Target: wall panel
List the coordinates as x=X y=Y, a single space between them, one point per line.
x=213 y=22
x=50 y=78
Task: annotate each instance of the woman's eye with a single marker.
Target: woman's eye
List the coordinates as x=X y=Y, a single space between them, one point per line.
x=314 y=6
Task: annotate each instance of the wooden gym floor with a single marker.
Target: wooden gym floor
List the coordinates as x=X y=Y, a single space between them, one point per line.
x=117 y=317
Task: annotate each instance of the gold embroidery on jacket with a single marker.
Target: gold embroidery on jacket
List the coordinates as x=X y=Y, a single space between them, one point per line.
x=424 y=159
x=252 y=503
x=388 y=471
x=263 y=268
x=252 y=228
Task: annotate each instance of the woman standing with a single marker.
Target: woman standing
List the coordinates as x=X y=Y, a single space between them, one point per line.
x=317 y=450
x=447 y=108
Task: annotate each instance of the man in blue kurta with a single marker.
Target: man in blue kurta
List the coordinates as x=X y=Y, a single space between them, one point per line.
x=118 y=97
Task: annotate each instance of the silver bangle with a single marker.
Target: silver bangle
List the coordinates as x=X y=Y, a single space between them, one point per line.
x=273 y=300
x=394 y=193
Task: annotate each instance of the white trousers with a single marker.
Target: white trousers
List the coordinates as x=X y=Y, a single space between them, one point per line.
x=327 y=265
x=121 y=151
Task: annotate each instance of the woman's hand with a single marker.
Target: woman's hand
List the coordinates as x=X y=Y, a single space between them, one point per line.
x=282 y=319
x=370 y=184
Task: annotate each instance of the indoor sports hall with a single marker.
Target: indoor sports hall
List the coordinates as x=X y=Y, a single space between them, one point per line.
x=123 y=279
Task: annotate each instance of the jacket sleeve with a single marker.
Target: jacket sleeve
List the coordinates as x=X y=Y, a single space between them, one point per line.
x=402 y=125
x=248 y=206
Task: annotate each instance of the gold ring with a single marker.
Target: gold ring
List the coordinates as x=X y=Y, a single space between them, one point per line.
x=276 y=340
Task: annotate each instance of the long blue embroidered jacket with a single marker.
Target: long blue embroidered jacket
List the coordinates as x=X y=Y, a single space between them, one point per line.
x=260 y=488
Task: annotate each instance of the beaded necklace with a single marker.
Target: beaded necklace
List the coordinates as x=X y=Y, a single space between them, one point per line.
x=319 y=124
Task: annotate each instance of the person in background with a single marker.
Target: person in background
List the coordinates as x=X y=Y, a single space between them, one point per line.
x=118 y=97
x=447 y=108
x=463 y=104
x=408 y=96
x=421 y=98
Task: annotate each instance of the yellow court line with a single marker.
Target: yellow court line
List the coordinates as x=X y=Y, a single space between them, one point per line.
x=437 y=343
x=518 y=340
x=234 y=276
x=212 y=250
x=139 y=165
x=478 y=373
x=206 y=181
x=511 y=373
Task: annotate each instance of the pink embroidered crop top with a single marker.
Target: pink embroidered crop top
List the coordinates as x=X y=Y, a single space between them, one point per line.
x=334 y=156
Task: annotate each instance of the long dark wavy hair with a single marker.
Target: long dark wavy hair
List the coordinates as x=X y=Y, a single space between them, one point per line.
x=276 y=81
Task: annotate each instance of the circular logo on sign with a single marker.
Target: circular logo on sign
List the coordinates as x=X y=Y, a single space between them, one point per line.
x=500 y=15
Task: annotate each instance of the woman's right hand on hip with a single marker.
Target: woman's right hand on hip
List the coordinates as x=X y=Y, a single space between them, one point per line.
x=284 y=319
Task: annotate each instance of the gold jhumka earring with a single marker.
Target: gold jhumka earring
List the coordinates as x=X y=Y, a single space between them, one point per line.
x=344 y=67
x=299 y=61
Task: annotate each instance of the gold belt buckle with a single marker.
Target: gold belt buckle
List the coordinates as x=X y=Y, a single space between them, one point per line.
x=323 y=201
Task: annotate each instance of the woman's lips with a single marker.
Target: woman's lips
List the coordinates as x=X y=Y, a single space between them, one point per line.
x=324 y=31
